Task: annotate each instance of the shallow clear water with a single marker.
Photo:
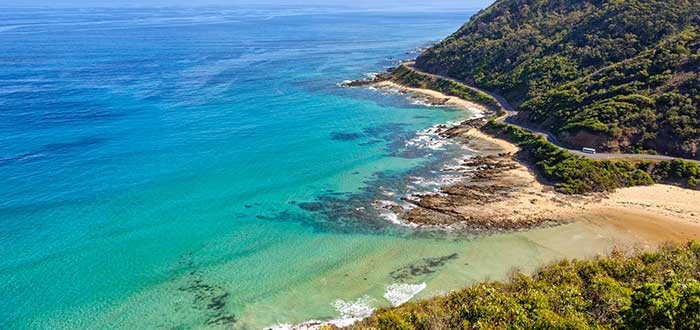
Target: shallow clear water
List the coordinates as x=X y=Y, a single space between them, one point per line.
x=194 y=169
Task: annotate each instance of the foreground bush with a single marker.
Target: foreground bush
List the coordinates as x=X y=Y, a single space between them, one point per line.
x=654 y=290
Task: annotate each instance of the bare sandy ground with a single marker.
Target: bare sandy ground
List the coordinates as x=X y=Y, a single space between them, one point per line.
x=655 y=213
x=507 y=195
x=500 y=194
x=477 y=135
x=433 y=96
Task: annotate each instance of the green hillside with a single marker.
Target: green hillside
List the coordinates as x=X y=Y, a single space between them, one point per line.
x=616 y=75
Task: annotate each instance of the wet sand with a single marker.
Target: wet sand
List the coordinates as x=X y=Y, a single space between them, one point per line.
x=498 y=194
x=504 y=194
x=658 y=213
x=503 y=197
x=434 y=97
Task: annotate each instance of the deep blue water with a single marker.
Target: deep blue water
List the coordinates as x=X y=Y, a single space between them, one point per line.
x=153 y=161
x=202 y=169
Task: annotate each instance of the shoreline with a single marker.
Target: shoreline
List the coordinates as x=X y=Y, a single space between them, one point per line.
x=511 y=193
x=504 y=195
x=434 y=98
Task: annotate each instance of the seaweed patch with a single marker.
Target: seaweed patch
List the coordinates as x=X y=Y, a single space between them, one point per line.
x=342 y=136
x=210 y=298
x=424 y=266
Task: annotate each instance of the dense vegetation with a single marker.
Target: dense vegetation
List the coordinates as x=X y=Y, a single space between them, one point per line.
x=677 y=172
x=570 y=173
x=658 y=290
x=614 y=74
x=408 y=77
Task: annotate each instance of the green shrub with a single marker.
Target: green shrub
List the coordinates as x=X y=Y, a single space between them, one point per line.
x=656 y=290
x=653 y=306
x=393 y=321
x=677 y=171
x=570 y=173
x=627 y=71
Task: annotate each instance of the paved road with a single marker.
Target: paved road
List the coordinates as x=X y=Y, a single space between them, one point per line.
x=510 y=115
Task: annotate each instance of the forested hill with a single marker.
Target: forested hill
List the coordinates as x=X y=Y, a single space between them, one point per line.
x=617 y=75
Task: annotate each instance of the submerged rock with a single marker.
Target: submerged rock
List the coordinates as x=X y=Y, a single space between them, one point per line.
x=422 y=267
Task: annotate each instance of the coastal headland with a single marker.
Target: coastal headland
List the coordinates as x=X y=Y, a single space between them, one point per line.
x=603 y=132
x=502 y=191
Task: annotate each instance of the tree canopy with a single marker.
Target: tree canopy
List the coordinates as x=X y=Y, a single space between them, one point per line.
x=619 y=75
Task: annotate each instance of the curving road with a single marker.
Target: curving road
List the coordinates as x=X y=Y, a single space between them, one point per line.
x=510 y=114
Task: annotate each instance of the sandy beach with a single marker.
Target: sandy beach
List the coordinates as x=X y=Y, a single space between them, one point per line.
x=501 y=198
x=657 y=213
x=434 y=97
x=504 y=194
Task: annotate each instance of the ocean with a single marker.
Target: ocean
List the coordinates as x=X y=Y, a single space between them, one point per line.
x=203 y=169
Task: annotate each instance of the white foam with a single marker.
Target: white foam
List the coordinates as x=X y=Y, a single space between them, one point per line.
x=478 y=113
x=353 y=311
x=399 y=293
x=394 y=218
x=372 y=75
x=432 y=137
x=386 y=213
x=448 y=180
x=308 y=325
x=383 y=204
x=350 y=312
x=358 y=309
x=456 y=165
x=344 y=83
x=391 y=217
x=279 y=326
x=423 y=102
x=433 y=185
x=388 y=193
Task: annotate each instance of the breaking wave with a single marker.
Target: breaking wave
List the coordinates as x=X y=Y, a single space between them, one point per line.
x=399 y=293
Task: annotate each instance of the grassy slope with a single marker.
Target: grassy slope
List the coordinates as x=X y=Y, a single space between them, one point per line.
x=569 y=173
x=619 y=74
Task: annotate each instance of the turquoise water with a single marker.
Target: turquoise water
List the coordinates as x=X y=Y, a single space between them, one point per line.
x=201 y=169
